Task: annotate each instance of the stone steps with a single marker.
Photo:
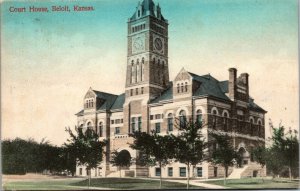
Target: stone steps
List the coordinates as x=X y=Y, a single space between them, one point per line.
x=237 y=172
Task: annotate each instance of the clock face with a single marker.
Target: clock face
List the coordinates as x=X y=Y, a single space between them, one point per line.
x=158 y=44
x=138 y=44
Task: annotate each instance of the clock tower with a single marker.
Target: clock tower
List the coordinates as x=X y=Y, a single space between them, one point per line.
x=147 y=62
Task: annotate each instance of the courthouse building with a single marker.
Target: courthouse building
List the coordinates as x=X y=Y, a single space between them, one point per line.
x=152 y=102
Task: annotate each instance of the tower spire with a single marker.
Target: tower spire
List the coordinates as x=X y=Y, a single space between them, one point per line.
x=147 y=8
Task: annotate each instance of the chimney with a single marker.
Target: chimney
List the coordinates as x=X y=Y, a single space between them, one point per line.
x=232 y=83
x=245 y=78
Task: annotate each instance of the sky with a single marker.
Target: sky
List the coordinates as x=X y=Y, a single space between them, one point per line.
x=50 y=60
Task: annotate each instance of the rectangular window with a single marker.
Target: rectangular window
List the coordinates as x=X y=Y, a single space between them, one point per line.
x=199 y=171
x=131 y=92
x=170 y=124
x=80 y=171
x=132 y=124
x=121 y=120
x=117 y=121
x=157 y=116
x=142 y=90
x=117 y=130
x=170 y=171
x=151 y=117
x=215 y=171
x=182 y=172
x=140 y=123
x=112 y=121
x=157 y=127
x=136 y=91
x=99 y=171
x=157 y=171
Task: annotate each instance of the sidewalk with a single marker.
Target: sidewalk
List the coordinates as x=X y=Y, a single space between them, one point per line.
x=193 y=182
x=198 y=183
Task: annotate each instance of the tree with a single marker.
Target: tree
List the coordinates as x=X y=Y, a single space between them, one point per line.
x=22 y=156
x=223 y=152
x=121 y=159
x=153 y=149
x=68 y=158
x=260 y=155
x=87 y=148
x=285 y=149
x=189 y=144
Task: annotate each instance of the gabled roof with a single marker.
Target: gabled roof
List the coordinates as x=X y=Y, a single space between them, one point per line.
x=108 y=98
x=80 y=113
x=119 y=102
x=209 y=86
x=254 y=107
x=224 y=86
x=165 y=95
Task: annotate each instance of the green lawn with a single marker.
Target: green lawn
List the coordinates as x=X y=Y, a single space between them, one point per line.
x=41 y=185
x=109 y=183
x=257 y=183
x=132 y=183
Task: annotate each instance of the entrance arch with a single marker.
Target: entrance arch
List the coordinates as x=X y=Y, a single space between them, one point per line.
x=244 y=154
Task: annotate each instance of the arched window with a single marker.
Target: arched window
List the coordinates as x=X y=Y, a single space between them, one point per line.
x=163 y=72
x=158 y=77
x=100 y=129
x=89 y=125
x=225 y=121
x=80 y=127
x=92 y=103
x=143 y=69
x=170 y=122
x=137 y=70
x=182 y=118
x=186 y=86
x=181 y=87
x=214 y=112
x=132 y=72
x=199 y=117
x=251 y=126
x=259 y=126
x=178 y=88
x=87 y=104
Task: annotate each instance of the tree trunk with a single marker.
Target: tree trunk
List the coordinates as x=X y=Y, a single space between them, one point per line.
x=160 y=177
x=261 y=175
x=188 y=177
x=290 y=173
x=225 y=174
x=226 y=171
x=89 y=178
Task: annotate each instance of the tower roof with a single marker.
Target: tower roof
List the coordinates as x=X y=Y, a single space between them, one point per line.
x=147 y=8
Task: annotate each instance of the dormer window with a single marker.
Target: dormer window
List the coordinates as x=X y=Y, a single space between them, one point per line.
x=181 y=87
